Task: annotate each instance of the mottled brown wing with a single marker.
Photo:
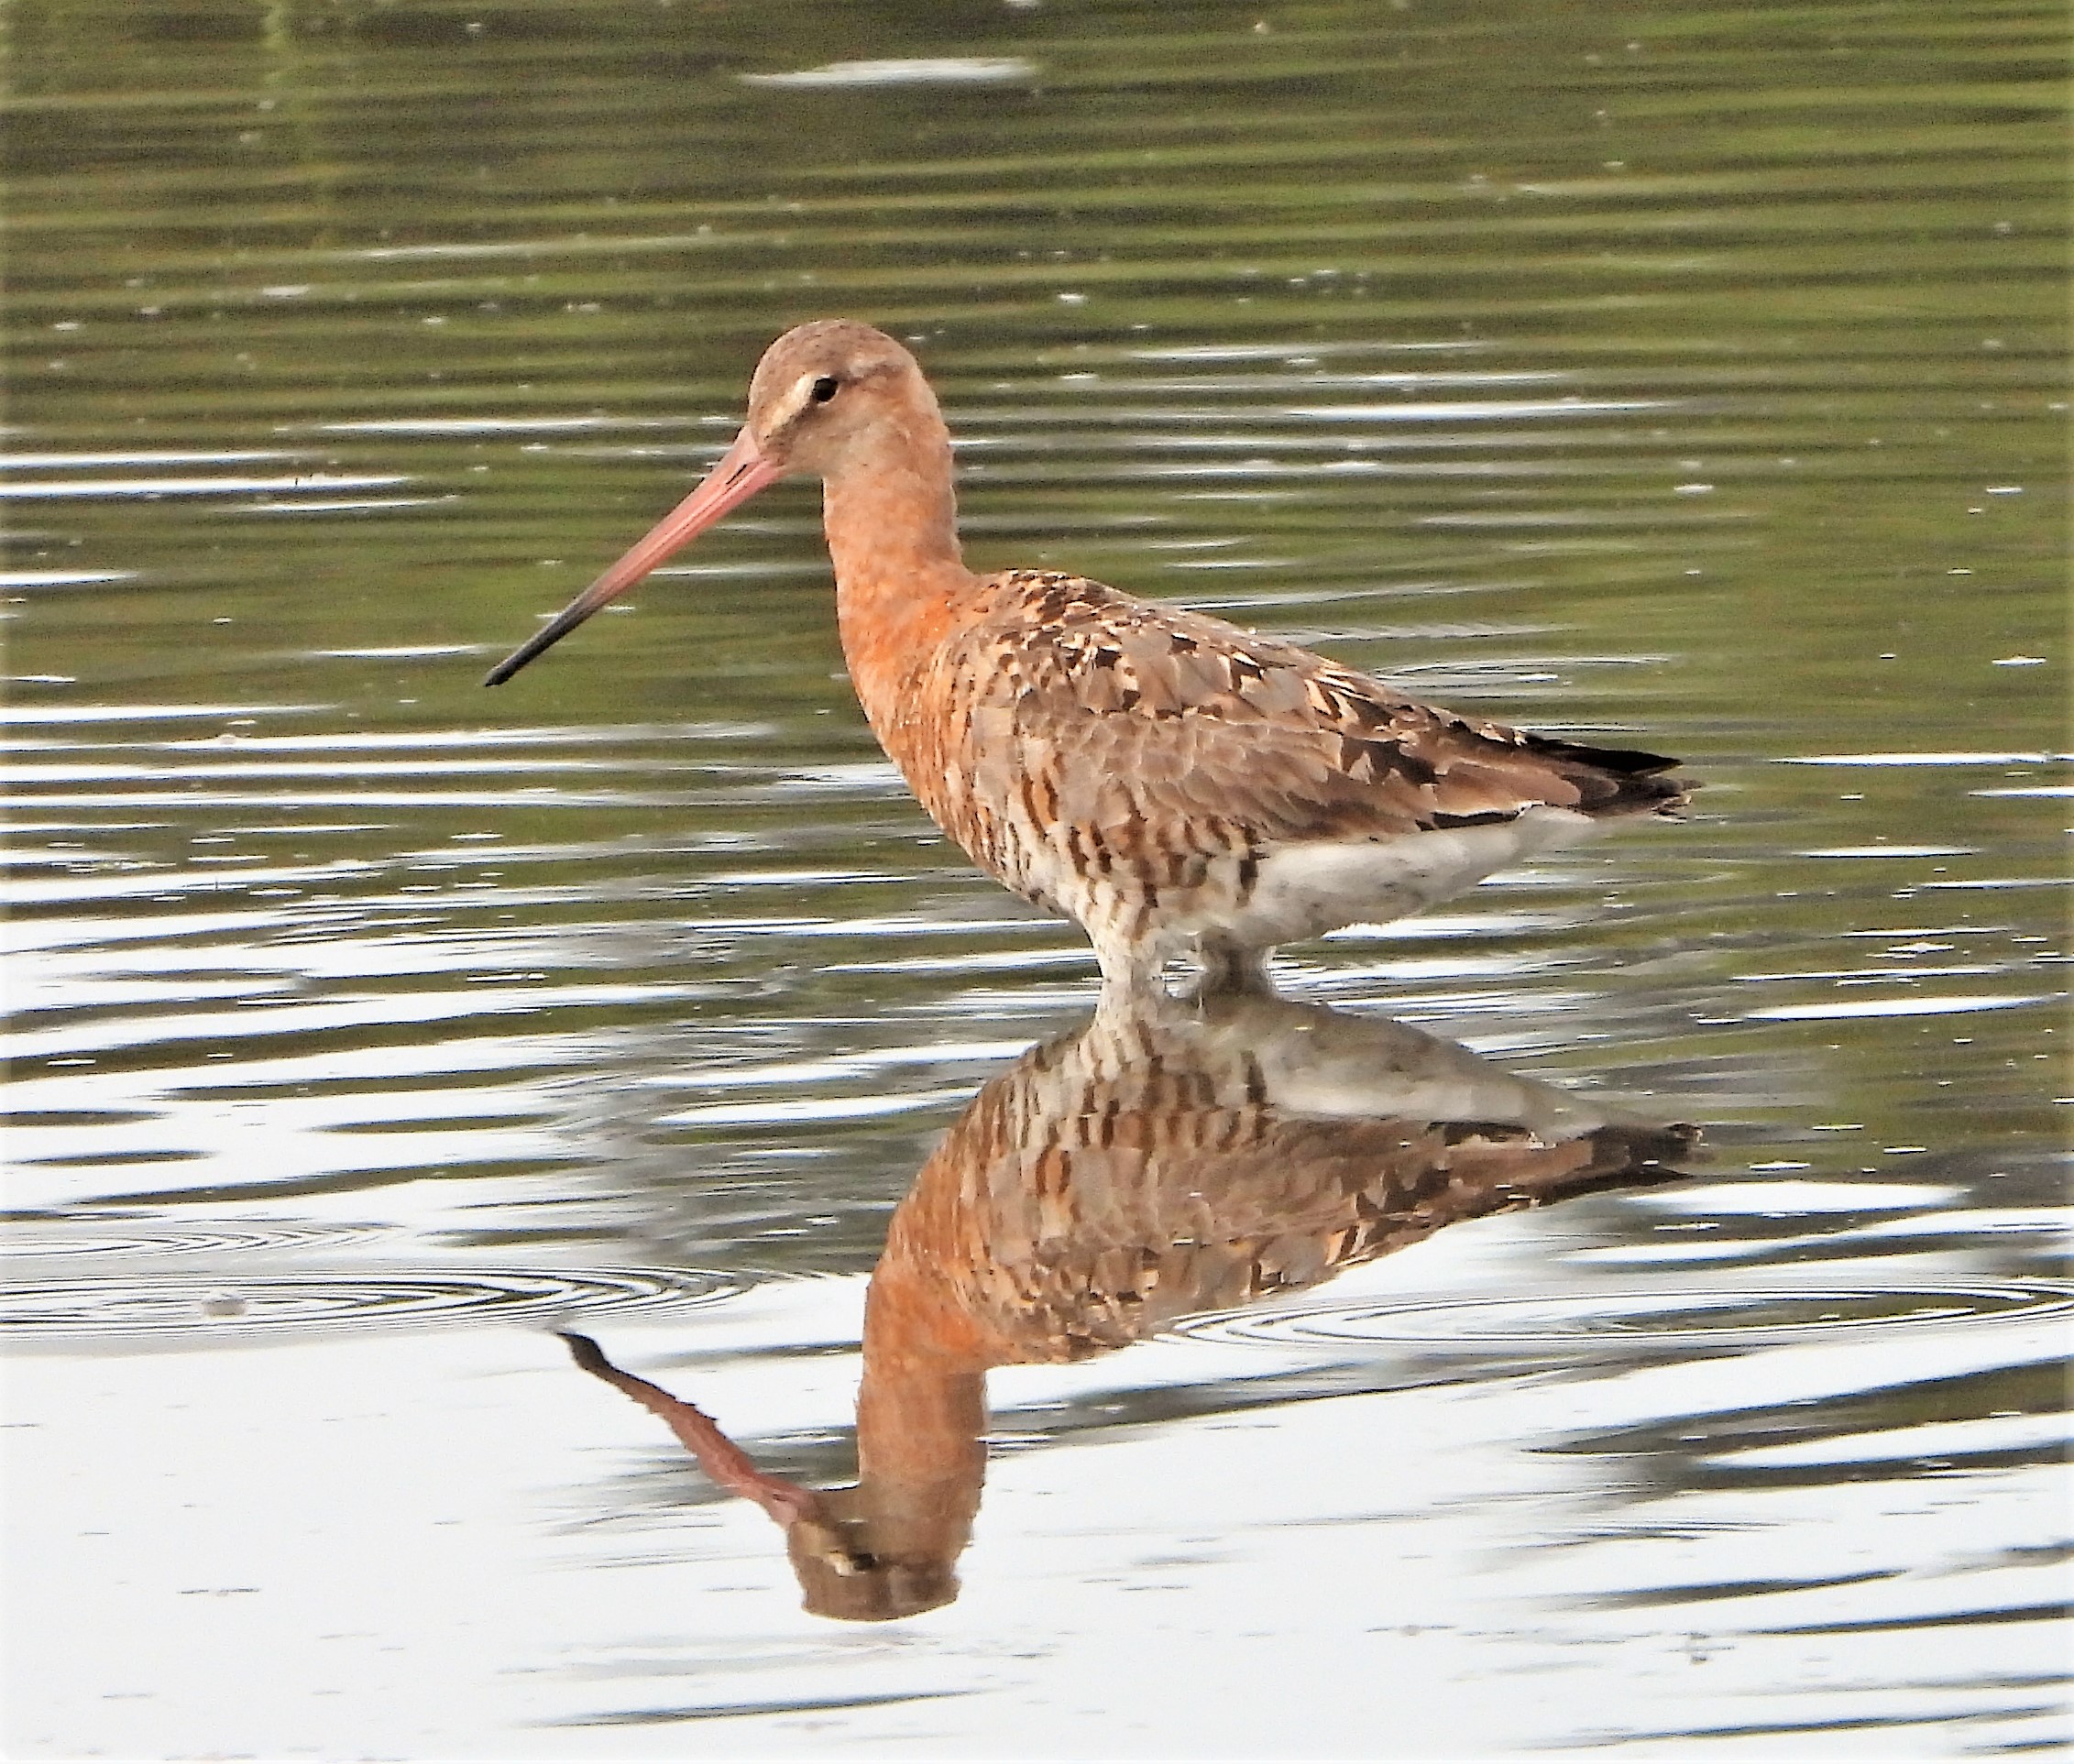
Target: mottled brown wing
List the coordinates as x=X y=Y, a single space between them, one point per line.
x=1130 y=709
x=1113 y=1181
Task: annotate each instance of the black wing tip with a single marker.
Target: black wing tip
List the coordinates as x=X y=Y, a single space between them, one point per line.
x=1620 y=780
x=1643 y=1156
x=1629 y=762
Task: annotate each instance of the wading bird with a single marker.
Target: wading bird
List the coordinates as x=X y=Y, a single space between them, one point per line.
x=1163 y=777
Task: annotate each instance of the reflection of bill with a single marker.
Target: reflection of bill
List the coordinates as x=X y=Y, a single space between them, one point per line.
x=1169 y=1157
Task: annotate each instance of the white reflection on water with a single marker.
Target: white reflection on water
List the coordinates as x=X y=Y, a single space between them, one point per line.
x=1955 y=1004
x=86 y=461
x=1586 y=1491
x=1427 y=1534
x=1907 y=759
x=929 y=70
x=56 y=488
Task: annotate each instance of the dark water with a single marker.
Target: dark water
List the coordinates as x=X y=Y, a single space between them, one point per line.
x=1683 y=377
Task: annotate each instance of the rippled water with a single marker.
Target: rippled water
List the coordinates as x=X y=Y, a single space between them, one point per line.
x=1692 y=378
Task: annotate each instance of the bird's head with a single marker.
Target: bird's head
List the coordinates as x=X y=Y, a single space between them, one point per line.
x=825 y=396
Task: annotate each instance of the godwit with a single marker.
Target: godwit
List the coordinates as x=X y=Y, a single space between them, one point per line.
x=1165 y=1158
x=1163 y=777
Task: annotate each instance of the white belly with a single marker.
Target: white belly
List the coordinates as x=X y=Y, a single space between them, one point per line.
x=1305 y=891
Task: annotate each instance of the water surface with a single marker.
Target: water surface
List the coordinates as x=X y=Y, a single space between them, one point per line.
x=1684 y=377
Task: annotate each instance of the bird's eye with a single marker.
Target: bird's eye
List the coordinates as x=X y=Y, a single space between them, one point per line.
x=825 y=388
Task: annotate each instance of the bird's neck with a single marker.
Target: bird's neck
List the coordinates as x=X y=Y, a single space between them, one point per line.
x=921 y=1405
x=901 y=586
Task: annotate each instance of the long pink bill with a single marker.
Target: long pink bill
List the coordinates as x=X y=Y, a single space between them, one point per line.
x=743 y=471
x=719 y=1457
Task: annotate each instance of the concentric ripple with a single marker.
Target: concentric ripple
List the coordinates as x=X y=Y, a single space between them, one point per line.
x=118 y=1307
x=118 y=1237
x=1713 y=1317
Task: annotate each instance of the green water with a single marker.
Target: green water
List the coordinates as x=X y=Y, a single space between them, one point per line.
x=1672 y=376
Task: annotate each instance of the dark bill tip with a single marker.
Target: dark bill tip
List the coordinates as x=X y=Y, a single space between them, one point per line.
x=743 y=471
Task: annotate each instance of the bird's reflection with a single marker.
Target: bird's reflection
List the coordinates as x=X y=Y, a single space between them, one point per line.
x=1167 y=1157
